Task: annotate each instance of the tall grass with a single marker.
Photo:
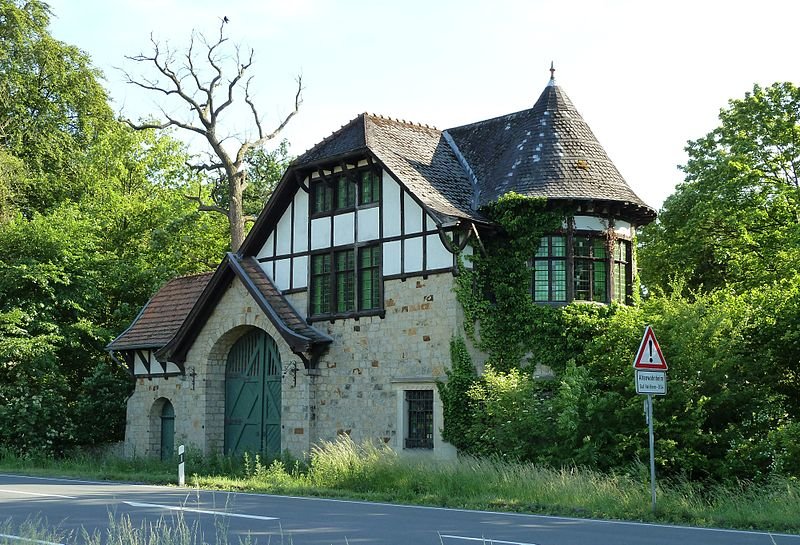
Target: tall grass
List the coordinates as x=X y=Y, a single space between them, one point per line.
x=375 y=472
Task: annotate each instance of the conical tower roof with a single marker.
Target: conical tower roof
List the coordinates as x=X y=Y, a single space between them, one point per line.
x=546 y=151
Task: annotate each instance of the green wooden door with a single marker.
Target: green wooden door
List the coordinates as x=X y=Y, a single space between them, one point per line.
x=253 y=396
x=167 y=430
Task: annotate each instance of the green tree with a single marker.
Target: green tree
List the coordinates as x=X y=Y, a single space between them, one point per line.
x=735 y=220
x=52 y=106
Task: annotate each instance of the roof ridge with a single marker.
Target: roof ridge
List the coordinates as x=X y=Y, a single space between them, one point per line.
x=332 y=135
x=403 y=121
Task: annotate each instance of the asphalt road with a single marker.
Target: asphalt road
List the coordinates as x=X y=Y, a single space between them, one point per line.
x=71 y=504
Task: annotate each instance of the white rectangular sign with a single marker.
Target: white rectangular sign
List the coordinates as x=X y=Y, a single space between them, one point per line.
x=651 y=382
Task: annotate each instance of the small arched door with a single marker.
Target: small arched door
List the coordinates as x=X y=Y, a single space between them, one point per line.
x=253 y=396
x=167 y=430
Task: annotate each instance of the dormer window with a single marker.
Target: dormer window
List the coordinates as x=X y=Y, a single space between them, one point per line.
x=579 y=267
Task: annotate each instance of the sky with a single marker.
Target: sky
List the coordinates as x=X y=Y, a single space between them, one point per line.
x=646 y=76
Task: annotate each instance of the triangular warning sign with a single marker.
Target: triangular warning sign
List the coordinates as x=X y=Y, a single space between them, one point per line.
x=649 y=355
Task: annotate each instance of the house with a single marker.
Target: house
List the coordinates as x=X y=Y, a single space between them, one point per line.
x=336 y=314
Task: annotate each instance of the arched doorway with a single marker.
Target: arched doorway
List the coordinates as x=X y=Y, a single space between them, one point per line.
x=167 y=430
x=253 y=396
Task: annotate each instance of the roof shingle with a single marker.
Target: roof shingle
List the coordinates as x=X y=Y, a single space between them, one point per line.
x=163 y=314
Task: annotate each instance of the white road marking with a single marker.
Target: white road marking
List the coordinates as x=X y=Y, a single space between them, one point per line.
x=37 y=494
x=424 y=507
x=487 y=541
x=201 y=511
x=29 y=540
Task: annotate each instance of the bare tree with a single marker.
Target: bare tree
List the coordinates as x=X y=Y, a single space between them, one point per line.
x=199 y=80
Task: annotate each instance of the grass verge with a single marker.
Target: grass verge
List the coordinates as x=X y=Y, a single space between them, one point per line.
x=344 y=469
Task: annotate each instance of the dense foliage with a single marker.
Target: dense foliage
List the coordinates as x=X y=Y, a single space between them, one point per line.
x=93 y=220
x=734 y=222
x=720 y=268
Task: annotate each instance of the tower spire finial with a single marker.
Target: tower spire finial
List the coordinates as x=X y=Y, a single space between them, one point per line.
x=552 y=74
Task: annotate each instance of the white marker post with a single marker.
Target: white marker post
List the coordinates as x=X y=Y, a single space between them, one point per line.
x=651 y=378
x=181 y=472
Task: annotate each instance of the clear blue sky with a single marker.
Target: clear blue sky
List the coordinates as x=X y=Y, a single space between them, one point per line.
x=646 y=76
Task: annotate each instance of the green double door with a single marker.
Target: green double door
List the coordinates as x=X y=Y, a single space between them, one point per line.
x=253 y=396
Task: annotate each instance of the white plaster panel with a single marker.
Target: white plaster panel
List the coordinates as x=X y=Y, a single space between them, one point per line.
x=438 y=256
x=623 y=228
x=391 y=258
x=368 y=224
x=300 y=272
x=283 y=233
x=391 y=206
x=156 y=367
x=344 y=226
x=412 y=215
x=300 y=228
x=138 y=366
x=412 y=258
x=590 y=223
x=430 y=223
x=266 y=250
x=267 y=268
x=172 y=368
x=320 y=233
x=282 y=268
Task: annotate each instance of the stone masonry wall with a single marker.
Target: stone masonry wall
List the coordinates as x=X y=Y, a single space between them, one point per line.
x=357 y=389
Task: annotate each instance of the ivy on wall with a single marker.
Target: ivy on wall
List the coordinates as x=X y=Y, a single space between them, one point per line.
x=500 y=317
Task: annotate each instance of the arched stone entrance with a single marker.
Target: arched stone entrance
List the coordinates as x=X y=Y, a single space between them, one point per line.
x=253 y=396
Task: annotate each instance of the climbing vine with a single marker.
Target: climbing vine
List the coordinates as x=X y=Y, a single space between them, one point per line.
x=500 y=317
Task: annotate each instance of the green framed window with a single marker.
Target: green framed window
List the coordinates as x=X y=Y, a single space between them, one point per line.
x=369 y=279
x=345 y=281
x=320 y=283
x=580 y=267
x=591 y=267
x=369 y=187
x=621 y=271
x=549 y=270
x=344 y=191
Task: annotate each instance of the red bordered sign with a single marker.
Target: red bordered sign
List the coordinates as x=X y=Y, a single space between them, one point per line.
x=649 y=356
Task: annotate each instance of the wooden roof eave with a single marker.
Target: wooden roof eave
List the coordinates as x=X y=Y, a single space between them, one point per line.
x=297 y=342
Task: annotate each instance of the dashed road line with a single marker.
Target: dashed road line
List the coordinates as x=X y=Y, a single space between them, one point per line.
x=201 y=511
x=485 y=540
x=28 y=540
x=9 y=491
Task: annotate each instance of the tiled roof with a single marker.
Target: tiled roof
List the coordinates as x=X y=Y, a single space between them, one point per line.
x=163 y=314
x=546 y=151
x=417 y=154
x=423 y=160
x=348 y=139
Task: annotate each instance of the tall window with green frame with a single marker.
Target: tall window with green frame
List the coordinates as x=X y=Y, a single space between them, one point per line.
x=369 y=187
x=549 y=270
x=345 y=193
x=590 y=262
x=345 y=281
x=369 y=279
x=320 y=284
x=622 y=264
x=321 y=197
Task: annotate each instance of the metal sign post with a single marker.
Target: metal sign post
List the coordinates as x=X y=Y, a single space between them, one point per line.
x=181 y=472
x=649 y=405
x=651 y=378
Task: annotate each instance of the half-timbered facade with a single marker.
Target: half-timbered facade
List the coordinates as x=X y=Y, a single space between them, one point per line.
x=336 y=314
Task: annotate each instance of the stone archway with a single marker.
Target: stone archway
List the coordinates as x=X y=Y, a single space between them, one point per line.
x=253 y=396
x=162 y=429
